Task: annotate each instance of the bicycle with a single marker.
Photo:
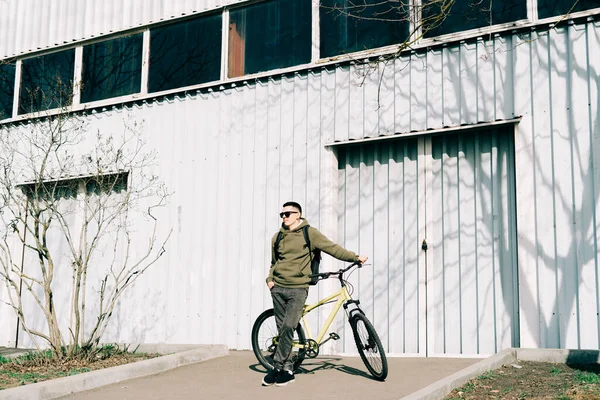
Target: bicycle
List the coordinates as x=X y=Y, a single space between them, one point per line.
x=264 y=331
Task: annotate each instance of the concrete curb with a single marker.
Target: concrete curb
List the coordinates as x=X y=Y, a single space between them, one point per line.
x=444 y=386
x=560 y=356
x=90 y=380
x=441 y=388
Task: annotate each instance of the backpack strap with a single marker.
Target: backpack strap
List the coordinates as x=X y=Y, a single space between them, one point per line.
x=317 y=252
x=306 y=238
x=276 y=245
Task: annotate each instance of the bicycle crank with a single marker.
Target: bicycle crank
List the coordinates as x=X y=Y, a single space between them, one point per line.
x=311 y=348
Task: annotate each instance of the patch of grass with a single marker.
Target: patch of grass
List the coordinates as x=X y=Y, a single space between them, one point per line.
x=555 y=371
x=467 y=387
x=587 y=377
x=4 y=360
x=487 y=375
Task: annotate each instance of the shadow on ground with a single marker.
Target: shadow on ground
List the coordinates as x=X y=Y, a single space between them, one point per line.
x=311 y=366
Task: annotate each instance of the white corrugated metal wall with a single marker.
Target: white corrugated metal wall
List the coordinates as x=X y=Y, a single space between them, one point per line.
x=557 y=158
x=235 y=154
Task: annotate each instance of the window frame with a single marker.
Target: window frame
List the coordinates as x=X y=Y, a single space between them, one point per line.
x=73 y=84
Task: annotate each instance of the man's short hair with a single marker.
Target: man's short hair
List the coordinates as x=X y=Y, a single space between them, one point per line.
x=293 y=204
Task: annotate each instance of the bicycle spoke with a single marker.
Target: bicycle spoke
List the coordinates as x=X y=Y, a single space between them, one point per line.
x=369 y=346
x=265 y=338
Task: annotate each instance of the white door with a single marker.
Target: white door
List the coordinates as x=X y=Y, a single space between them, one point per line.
x=437 y=216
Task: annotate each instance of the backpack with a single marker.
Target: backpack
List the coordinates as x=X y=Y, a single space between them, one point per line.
x=315 y=259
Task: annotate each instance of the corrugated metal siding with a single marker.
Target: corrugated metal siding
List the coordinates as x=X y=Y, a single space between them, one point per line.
x=29 y=25
x=471 y=263
x=232 y=157
x=557 y=157
x=381 y=199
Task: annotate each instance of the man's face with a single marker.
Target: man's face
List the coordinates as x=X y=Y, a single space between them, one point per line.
x=290 y=215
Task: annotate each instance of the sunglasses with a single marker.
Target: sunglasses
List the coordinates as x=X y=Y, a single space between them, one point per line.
x=287 y=213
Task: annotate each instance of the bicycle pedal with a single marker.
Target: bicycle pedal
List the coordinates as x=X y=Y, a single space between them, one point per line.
x=334 y=336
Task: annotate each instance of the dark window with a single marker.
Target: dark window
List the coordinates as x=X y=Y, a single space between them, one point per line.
x=51 y=190
x=7 y=88
x=354 y=25
x=106 y=183
x=269 y=35
x=186 y=53
x=47 y=82
x=551 y=8
x=442 y=16
x=69 y=188
x=112 y=68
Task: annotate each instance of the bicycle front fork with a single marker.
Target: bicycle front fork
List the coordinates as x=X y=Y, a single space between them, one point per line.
x=351 y=312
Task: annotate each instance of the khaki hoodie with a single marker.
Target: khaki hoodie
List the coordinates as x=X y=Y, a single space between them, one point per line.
x=293 y=267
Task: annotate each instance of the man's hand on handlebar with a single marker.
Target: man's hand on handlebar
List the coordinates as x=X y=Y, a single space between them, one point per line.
x=363 y=259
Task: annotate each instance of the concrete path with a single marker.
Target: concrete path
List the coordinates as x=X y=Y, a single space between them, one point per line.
x=238 y=376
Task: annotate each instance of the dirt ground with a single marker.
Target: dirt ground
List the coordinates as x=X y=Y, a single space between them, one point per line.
x=26 y=370
x=534 y=380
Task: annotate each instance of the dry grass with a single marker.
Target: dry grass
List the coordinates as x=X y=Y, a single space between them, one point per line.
x=38 y=367
x=534 y=380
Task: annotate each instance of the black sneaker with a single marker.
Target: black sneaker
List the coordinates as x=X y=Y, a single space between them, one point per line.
x=284 y=378
x=271 y=377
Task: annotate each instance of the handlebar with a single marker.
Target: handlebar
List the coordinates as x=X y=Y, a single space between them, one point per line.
x=326 y=275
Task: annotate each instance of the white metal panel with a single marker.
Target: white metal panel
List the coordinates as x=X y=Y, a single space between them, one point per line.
x=351 y=189
x=379 y=185
x=261 y=260
x=582 y=158
x=486 y=102
x=452 y=86
x=469 y=63
x=372 y=101
x=350 y=122
x=526 y=191
x=402 y=91
x=387 y=104
x=566 y=261
x=473 y=289
x=418 y=95
x=287 y=153
x=545 y=199
x=467 y=249
x=379 y=251
x=592 y=235
x=488 y=265
x=300 y=131
x=435 y=88
x=504 y=80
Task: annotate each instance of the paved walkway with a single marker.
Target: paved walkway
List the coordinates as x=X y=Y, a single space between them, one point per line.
x=238 y=376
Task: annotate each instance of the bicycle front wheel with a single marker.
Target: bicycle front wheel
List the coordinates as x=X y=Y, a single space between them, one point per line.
x=265 y=338
x=369 y=346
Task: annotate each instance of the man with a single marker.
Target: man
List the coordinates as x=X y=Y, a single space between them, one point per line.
x=288 y=282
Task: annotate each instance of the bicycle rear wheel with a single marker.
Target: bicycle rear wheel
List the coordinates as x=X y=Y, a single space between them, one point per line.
x=264 y=341
x=369 y=346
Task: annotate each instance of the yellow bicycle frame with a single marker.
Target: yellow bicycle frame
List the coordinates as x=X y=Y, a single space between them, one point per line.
x=342 y=296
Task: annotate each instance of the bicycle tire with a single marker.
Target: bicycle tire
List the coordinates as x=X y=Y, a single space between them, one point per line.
x=369 y=346
x=264 y=331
